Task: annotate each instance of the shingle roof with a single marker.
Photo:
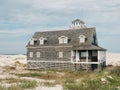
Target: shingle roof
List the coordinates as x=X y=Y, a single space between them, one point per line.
x=88 y=47
x=72 y=34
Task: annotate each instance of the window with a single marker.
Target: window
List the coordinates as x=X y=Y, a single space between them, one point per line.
x=42 y=40
x=63 y=40
x=83 y=54
x=32 y=41
x=60 y=54
x=37 y=54
x=31 y=54
x=82 y=38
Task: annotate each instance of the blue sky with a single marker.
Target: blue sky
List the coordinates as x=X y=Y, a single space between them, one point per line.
x=19 y=19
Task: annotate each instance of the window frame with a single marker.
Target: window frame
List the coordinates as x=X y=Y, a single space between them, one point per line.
x=60 y=54
x=63 y=40
x=30 y=54
x=38 y=54
x=83 y=54
x=82 y=38
x=42 y=40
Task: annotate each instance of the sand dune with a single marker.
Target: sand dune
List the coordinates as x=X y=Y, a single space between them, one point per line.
x=113 y=59
x=11 y=59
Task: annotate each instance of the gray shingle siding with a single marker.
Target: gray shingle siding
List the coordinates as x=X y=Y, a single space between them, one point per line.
x=50 y=54
x=51 y=48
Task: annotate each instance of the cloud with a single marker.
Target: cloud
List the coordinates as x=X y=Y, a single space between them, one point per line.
x=38 y=12
x=19 y=18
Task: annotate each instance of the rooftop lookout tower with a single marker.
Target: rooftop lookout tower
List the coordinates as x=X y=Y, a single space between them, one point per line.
x=77 y=24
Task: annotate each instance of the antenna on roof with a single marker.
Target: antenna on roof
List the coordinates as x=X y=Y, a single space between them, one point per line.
x=77 y=24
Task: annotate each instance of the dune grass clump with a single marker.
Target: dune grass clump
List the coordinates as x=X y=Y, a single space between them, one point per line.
x=17 y=84
x=115 y=71
x=2 y=87
x=48 y=84
x=28 y=84
x=29 y=74
x=46 y=76
x=12 y=80
x=14 y=87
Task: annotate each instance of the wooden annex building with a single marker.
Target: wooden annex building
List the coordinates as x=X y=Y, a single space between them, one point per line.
x=73 y=49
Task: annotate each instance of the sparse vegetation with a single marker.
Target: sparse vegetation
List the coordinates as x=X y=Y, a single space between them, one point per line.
x=14 y=87
x=19 y=84
x=2 y=87
x=108 y=79
x=48 y=84
x=97 y=81
x=28 y=84
x=12 y=80
x=115 y=71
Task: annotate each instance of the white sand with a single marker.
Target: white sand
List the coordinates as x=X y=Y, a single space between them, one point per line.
x=11 y=59
x=113 y=59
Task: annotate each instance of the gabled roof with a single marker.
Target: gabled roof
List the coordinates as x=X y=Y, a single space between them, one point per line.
x=72 y=34
x=63 y=37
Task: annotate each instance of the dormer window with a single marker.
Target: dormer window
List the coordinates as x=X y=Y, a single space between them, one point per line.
x=33 y=41
x=63 y=40
x=82 y=38
x=42 y=40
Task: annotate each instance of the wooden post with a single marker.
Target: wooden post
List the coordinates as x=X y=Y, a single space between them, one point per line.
x=99 y=61
x=87 y=59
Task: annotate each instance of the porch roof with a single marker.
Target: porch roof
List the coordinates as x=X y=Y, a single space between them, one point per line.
x=88 y=47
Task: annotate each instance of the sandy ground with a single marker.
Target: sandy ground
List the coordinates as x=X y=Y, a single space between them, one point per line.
x=19 y=62
x=113 y=59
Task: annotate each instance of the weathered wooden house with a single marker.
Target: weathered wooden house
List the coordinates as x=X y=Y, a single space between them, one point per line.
x=72 y=49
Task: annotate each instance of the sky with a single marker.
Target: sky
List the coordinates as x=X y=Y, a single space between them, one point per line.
x=20 y=19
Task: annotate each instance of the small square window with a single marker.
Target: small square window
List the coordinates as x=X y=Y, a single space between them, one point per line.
x=37 y=54
x=31 y=54
x=60 y=54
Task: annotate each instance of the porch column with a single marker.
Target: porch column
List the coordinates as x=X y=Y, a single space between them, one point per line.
x=99 y=61
x=77 y=56
x=86 y=55
x=72 y=56
x=87 y=59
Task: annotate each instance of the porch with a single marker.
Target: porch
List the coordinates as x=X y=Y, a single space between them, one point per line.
x=93 y=58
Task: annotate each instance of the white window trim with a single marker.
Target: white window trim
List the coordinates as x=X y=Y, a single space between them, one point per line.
x=32 y=41
x=37 y=54
x=82 y=38
x=83 y=54
x=31 y=54
x=60 y=54
x=63 y=40
x=42 y=40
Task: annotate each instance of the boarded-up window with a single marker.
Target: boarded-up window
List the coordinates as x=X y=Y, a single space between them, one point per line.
x=31 y=54
x=60 y=54
x=37 y=54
